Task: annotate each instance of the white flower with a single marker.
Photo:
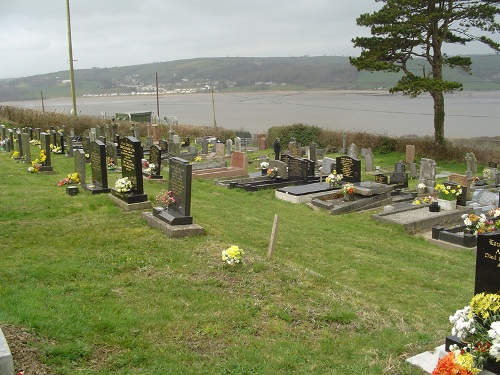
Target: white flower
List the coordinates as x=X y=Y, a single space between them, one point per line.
x=421 y=186
x=495 y=350
x=494 y=331
x=264 y=165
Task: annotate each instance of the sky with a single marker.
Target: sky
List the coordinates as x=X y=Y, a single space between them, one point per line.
x=109 y=33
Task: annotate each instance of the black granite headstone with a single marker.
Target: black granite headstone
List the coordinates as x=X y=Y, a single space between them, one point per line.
x=381 y=178
x=488 y=263
x=131 y=163
x=350 y=168
x=99 y=169
x=179 y=183
x=155 y=159
x=45 y=146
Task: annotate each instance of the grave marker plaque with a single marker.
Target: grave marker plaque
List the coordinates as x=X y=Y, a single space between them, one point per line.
x=349 y=168
x=45 y=146
x=99 y=169
x=80 y=163
x=488 y=263
x=382 y=179
x=25 y=139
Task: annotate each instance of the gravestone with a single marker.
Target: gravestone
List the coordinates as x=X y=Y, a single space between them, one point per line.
x=471 y=160
x=149 y=143
x=237 y=144
x=155 y=130
x=45 y=146
x=80 y=163
x=219 y=149
x=55 y=140
x=3 y=132
x=328 y=165
x=349 y=167
x=61 y=143
x=381 y=178
x=428 y=173
x=488 y=263
x=10 y=134
x=312 y=152
x=112 y=151
x=25 y=140
x=343 y=149
x=69 y=146
x=131 y=163
x=281 y=166
x=176 y=139
x=174 y=149
x=204 y=146
x=19 y=144
x=413 y=170
x=410 y=153
x=229 y=147
x=86 y=144
x=367 y=154
x=293 y=148
x=99 y=169
x=353 y=151
x=399 y=177
x=155 y=159
x=179 y=183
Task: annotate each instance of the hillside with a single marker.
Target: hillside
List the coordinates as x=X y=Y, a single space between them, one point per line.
x=233 y=73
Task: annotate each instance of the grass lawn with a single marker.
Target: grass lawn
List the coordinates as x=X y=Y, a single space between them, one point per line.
x=111 y=295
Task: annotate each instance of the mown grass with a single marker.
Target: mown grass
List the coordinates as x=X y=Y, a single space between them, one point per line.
x=111 y=295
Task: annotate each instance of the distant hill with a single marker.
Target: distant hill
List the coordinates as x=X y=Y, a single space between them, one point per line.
x=234 y=73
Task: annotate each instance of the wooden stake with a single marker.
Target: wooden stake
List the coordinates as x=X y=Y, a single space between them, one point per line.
x=274 y=233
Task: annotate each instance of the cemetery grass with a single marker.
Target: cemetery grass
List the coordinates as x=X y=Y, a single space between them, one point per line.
x=104 y=293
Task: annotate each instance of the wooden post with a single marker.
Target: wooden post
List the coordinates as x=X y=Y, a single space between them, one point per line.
x=274 y=233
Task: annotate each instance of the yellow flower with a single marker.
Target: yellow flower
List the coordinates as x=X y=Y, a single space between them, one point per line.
x=466 y=360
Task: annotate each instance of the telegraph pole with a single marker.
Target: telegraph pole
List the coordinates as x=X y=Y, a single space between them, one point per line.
x=213 y=106
x=70 y=50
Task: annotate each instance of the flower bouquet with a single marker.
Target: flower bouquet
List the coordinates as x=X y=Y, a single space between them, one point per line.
x=348 y=189
x=110 y=163
x=272 y=172
x=478 y=223
x=165 y=199
x=478 y=325
x=123 y=185
x=232 y=256
x=56 y=149
x=448 y=193
x=73 y=178
x=333 y=179
x=264 y=165
x=422 y=200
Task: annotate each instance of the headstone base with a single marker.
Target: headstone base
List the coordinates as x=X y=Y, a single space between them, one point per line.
x=153 y=177
x=172 y=217
x=46 y=168
x=146 y=205
x=129 y=197
x=95 y=189
x=173 y=231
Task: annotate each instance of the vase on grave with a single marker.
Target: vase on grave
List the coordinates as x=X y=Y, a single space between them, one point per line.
x=421 y=191
x=264 y=171
x=348 y=197
x=447 y=205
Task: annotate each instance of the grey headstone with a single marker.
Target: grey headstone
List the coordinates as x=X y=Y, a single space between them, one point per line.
x=80 y=162
x=428 y=172
x=282 y=168
x=237 y=144
x=328 y=165
x=368 y=155
x=25 y=139
x=229 y=147
x=353 y=151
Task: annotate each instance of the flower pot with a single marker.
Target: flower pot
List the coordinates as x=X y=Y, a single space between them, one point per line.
x=264 y=171
x=348 y=197
x=421 y=191
x=447 y=205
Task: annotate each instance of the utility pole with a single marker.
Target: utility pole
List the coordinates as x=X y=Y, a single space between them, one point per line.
x=157 y=99
x=213 y=106
x=70 y=50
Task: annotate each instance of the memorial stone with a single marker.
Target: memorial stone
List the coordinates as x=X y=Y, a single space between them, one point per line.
x=131 y=163
x=487 y=278
x=219 y=149
x=112 y=152
x=98 y=166
x=229 y=147
x=367 y=154
x=80 y=163
x=25 y=140
x=204 y=146
x=19 y=144
x=349 y=167
x=462 y=198
x=381 y=178
x=399 y=177
x=471 y=160
x=353 y=151
x=3 y=132
x=312 y=152
x=155 y=159
x=293 y=148
x=428 y=173
x=10 y=134
x=45 y=146
x=410 y=153
x=463 y=181
x=328 y=165
x=237 y=144
x=281 y=166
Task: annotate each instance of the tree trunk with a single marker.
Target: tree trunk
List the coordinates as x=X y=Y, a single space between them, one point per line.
x=438 y=97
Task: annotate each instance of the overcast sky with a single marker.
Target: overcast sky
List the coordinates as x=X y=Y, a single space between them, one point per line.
x=107 y=33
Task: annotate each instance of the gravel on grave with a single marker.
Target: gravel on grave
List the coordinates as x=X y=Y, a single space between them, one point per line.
x=410 y=216
x=25 y=355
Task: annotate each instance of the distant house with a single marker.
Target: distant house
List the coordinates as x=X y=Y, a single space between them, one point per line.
x=134 y=116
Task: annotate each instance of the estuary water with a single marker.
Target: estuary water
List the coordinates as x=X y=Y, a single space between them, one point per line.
x=468 y=114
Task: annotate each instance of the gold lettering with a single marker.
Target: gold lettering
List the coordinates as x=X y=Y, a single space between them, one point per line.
x=490 y=256
x=494 y=243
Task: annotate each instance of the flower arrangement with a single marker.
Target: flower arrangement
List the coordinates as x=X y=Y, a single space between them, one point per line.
x=348 y=189
x=38 y=163
x=151 y=169
x=145 y=164
x=165 y=198
x=72 y=178
x=56 y=149
x=487 y=173
x=334 y=178
x=15 y=154
x=475 y=179
x=478 y=324
x=198 y=159
x=448 y=193
x=233 y=256
x=35 y=142
x=475 y=223
x=421 y=186
x=272 y=172
x=123 y=185
x=110 y=163
x=422 y=200
x=264 y=165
